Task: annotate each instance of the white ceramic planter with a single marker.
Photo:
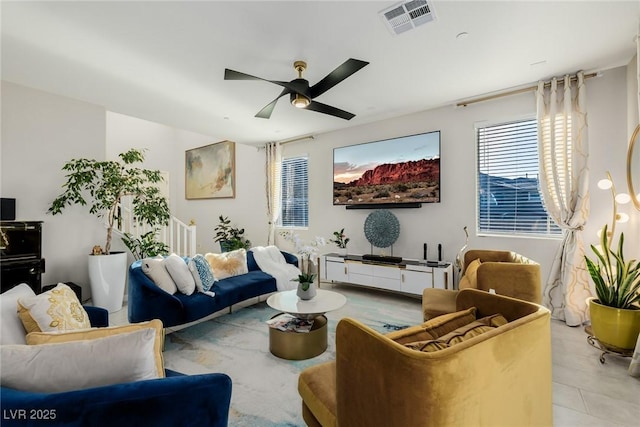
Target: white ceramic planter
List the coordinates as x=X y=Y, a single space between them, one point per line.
x=107 y=277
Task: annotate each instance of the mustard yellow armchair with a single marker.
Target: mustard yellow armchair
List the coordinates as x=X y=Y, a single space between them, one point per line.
x=507 y=273
x=501 y=377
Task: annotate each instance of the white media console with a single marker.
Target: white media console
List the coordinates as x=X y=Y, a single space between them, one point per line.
x=408 y=276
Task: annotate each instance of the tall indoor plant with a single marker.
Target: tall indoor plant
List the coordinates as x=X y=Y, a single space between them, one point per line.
x=101 y=185
x=615 y=313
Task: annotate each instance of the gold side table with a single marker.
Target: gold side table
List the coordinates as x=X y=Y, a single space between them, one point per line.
x=293 y=345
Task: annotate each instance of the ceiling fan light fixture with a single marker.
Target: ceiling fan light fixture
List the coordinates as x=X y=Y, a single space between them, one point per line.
x=300 y=101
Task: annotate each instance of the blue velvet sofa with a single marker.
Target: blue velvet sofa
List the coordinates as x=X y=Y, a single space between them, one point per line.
x=177 y=400
x=147 y=301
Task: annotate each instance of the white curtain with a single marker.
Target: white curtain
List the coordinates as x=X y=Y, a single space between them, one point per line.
x=273 y=168
x=564 y=183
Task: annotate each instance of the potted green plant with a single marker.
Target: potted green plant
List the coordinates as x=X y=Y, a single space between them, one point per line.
x=341 y=241
x=101 y=185
x=615 y=314
x=146 y=245
x=307 y=254
x=230 y=237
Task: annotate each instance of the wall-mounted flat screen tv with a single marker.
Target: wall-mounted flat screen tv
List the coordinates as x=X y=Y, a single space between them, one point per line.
x=401 y=171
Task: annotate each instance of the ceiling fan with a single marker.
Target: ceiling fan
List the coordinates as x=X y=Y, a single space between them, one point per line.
x=300 y=93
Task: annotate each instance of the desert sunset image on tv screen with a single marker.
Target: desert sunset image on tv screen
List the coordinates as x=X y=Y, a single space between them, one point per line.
x=398 y=170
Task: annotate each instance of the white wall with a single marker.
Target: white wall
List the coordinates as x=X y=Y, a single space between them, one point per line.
x=444 y=222
x=247 y=210
x=166 y=148
x=162 y=144
x=40 y=132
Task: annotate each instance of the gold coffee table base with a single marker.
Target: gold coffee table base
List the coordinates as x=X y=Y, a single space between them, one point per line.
x=299 y=345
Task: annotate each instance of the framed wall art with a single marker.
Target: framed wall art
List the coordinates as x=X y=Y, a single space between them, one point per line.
x=210 y=171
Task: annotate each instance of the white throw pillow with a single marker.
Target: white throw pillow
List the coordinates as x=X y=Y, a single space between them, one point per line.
x=180 y=274
x=11 y=329
x=228 y=264
x=155 y=270
x=76 y=365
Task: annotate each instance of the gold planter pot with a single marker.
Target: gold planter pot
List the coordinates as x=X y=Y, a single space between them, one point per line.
x=615 y=328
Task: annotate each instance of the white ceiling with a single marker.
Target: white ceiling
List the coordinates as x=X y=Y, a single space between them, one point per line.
x=165 y=61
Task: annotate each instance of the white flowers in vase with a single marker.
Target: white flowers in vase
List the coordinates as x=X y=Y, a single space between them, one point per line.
x=307 y=253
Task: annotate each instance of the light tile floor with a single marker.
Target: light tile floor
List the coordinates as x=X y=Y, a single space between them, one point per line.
x=586 y=393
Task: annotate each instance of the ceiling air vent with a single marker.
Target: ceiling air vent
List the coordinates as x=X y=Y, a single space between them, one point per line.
x=407 y=15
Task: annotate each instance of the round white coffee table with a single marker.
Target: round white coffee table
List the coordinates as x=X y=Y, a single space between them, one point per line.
x=293 y=345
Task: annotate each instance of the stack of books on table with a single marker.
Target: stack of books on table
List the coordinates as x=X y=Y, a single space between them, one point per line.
x=288 y=323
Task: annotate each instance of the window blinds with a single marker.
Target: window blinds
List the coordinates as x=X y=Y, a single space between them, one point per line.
x=295 y=191
x=509 y=199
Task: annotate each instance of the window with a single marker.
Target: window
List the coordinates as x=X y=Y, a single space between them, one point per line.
x=294 y=191
x=509 y=200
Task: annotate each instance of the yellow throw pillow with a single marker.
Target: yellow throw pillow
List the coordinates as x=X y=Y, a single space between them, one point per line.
x=410 y=335
x=441 y=325
x=470 y=278
x=228 y=264
x=55 y=310
x=37 y=338
x=427 y=346
x=463 y=333
x=494 y=320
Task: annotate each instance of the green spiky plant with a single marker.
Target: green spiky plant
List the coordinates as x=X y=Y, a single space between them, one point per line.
x=103 y=184
x=617 y=280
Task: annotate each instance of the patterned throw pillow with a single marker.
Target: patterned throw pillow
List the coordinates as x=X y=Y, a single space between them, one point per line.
x=55 y=310
x=202 y=273
x=228 y=264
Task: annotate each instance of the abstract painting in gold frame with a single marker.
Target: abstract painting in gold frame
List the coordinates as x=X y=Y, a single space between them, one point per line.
x=210 y=171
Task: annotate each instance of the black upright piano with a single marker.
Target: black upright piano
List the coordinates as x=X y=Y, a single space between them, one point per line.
x=21 y=254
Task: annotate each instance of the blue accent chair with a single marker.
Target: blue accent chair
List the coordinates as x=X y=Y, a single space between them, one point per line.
x=177 y=400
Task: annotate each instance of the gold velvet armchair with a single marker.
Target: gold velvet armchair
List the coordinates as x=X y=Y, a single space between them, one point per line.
x=507 y=273
x=501 y=377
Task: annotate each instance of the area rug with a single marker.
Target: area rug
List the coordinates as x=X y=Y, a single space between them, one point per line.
x=265 y=386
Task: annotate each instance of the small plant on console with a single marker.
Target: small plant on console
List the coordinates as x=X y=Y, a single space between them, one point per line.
x=340 y=239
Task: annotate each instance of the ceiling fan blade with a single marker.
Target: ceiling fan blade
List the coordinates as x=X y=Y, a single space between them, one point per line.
x=237 y=75
x=328 y=109
x=265 y=113
x=347 y=68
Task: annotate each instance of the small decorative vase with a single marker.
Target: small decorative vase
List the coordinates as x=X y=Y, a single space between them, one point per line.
x=342 y=251
x=309 y=293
